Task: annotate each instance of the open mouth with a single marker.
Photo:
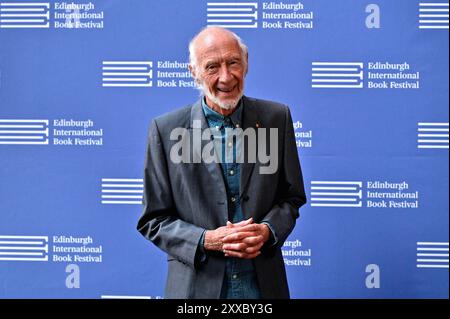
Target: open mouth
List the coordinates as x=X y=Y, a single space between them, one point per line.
x=225 y=90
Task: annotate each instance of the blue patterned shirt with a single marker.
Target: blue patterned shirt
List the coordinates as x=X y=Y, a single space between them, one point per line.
x=240 y=276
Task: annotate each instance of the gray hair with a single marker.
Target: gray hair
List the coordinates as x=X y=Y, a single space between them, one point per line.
x=193 y=57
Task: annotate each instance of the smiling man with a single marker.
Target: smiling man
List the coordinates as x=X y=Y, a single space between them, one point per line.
x=218 y=63
x=222 y=222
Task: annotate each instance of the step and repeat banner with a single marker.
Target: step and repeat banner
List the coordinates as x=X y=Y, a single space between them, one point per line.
x=367 y=85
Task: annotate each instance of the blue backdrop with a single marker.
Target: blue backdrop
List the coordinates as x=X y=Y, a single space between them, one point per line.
x=367 y=84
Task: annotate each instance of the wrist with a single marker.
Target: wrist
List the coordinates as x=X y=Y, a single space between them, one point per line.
x=265 y=232
x=211 y=243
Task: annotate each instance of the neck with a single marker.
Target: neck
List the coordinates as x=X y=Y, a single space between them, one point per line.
x=218 y=109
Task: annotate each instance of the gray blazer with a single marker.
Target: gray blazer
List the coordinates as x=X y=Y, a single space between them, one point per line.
x=182 y=200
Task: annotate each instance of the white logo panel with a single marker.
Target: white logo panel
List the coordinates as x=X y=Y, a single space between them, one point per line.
x=17 y=131
x=341 y=75
x=127 y=74
x=432 y=135
x=23 y=248
x=336 y=194
x=122 y=191
x=24 y=15
x=432 y=255
x=232 y=14
x=433 y=15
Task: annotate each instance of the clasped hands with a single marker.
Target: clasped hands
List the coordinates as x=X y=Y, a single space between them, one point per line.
x=241 y=240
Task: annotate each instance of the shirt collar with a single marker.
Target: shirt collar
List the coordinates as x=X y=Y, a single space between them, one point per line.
x=235 y=117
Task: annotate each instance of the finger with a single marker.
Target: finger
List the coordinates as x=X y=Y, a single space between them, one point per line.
x=254 y=240
x=238 y=236
x=251 y=256
x=230 y=224
x=244 y=222
x=251 y=227
x=228 y=230
x=229 y=253
x=253 y=249
x=235 y=246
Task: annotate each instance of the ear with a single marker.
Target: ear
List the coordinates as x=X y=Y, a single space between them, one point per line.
x=194 y=73
x=246 y=64
x=192 y=70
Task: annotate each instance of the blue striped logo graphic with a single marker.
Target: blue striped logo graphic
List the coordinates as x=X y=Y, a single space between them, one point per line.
x=24 y=15
x=23 y=248
x=18 y=131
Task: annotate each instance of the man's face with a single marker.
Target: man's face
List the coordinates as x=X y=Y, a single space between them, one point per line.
x=220 y=70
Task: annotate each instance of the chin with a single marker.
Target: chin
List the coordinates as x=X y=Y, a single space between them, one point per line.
x=224 y=103
x=228 y=104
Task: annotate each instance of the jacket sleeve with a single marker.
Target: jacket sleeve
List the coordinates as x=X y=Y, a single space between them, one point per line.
x=160 y=222
x=290 y=193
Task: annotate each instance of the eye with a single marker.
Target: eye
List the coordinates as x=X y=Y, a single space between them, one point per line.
x=211 y=68
x=234 y=63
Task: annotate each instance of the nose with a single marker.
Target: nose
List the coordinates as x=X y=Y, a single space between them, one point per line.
x=224 y=74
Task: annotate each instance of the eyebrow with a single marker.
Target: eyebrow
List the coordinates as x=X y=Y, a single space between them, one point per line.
x=232 y=58
x=209 y=63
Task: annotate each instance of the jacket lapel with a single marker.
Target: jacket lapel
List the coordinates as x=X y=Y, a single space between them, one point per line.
x=214 y=170
x=249 y=120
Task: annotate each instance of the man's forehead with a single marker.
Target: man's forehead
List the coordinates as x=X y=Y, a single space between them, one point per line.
x=211 y=47
x=214 y=43
x=219 y=51
x=214 y=34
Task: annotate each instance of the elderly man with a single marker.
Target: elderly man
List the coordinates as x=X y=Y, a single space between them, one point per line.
x=222 y=222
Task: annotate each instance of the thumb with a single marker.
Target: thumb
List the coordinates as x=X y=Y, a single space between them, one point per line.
x=245 y=222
